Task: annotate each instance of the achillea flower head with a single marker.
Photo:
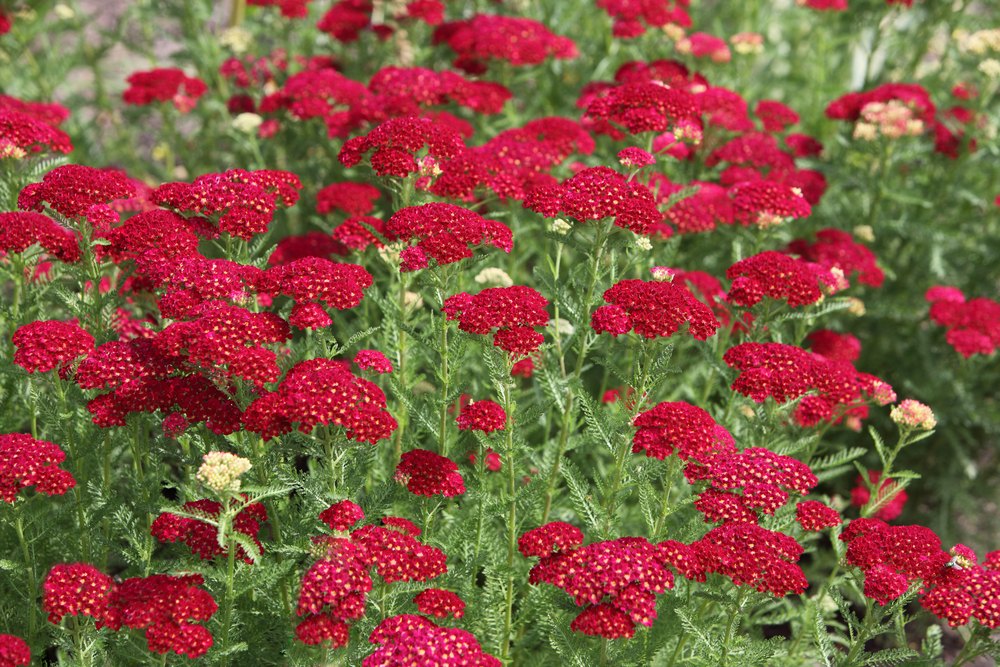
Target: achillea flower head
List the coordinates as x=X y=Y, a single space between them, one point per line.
x=322 y=392
x=444 y=233
x=632 y=19
x=202 y=537
x=616 y=581
x=373 y=360
x=46 y=345
x=395 y=143
x=439 y=603
x=883 y=584
x=766 y=203
x=169 y=609
x=22 y=134
x=519 y=41
x=913 y=415
x=486 y=416
x=77 y=191
x=813 y=515
x=775 y=116
x=653 y=309
x=639 y=107
x=417 y=641
x=242 y=203
x=221 y=471
x=779 y=277
x=513 y=312
x=23 y=229
x=834 y=345
x=550 y=539
x=164 y=85
x=704 y=45
x=973 y=325
x=354 y=199
x=14 y=651
x=314 y=281
x=835 y=248
x=680 y=428
x=76 y=589
x=342 y=516
x=597 y=193
x=428 y=474
x=398 y=556
x=26 y=462
x=334 y=591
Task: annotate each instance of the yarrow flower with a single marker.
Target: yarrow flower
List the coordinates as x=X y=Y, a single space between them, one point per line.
x=170 y=610
x=439 y=603
x=483 y=415
x=23 y=229
x=314 y=284
x=890 y=496
x=913 y=415
x=519 y=41
x=428 y=474
x=14 y=651
x=973 y=325
x=415 y=640
x=813 y=515
x=680 y=428
x=76 y=589
x=631 y=19
x=46 y=345
x=444 y=233
x=778 y=276
x=598 y=193
x=513 y=312
x=395 y=143
x=355 y=199
x=615 y=581
x=22 y=134
x=26 y=462
x=221 y=471
x=164 y=85
x=372 y=360
x=653 y=309
x=202 y=537
x=342 y=516
x=77 y=191
x=242 y=203
x=322 y=392
x=836 y=249
x=642 y=106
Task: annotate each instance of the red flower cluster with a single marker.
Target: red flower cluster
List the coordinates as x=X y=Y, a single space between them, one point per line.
x=444 y=233
x=764 y=477
x=203 y=538
x=46 y=345
x=615 y=581
x=962 y=589
x=168 y=608
x=813 y=515
x=395 y=143
x=485 y=416
x=405 y=91
x=26 y=462
x=598 y=193
x=898 y=554
x=973 y=325
x=76 y=589
x=833 y=345
x=22 y=133
x=640 y=107
x=439 y=603
x=372 y=360
x=682 y=428
x=765 y=203
x=14 y=651
x=164 y=85
x=292 y=9
x=418 y=641
x=834 y=248
x=653 y=309
x=333 y=592
x=345 y=20
x=428 y=474
x=76 y=191
x=848 y=107
x=21 y=230
x=778 y=276
x=242 y=203
x=320 y=92
x=708 y=207
x=322 y=392
x=398 y=556
x=519 y=41
x=354 y=199
x=512 y=311
x=313 y=282
x=342 y=516
x=633 y=17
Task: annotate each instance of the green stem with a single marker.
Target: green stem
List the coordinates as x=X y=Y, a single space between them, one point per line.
x=858 y=646
x=668 y=487
x=227 y=619
x=238 y=14
x=443 y=435
x=600 y=237
x=731 y=627
x=29 y=568
x=512 y=515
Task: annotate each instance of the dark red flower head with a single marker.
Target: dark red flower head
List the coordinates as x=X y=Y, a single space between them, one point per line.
x=444 y=233
x=164 y=85
x=428 y=474
x=26 y=462
x=395 y=143
x=653 y=309
x=513 y=312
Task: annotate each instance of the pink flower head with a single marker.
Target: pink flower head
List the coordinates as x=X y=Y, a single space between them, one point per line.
x=415 y=640
x=14 y=651
x=428 y=474
x=439 y=603
x=373 y=360
x=342 y=516
x=483 y=415
x=813 y=515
